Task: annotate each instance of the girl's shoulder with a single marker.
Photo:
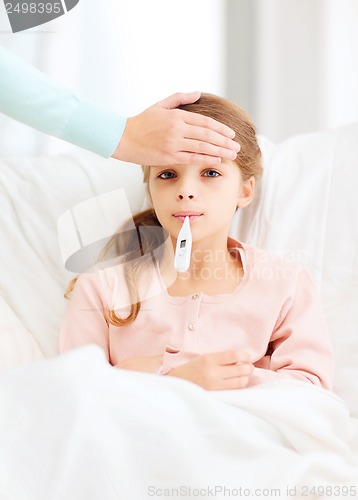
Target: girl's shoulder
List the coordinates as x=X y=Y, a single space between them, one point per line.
x=263 y=264
x=111 y=279
x=121 y=284
x=99 y=282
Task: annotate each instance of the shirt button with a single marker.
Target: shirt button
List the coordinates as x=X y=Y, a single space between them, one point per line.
x=195 y=296
x=191 y=326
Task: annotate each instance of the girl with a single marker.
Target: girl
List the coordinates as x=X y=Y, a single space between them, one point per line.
x=238 y=317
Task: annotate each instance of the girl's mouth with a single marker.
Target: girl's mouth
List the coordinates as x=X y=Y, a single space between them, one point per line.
x=192 y=217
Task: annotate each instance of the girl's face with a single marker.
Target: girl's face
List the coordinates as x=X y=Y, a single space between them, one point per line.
x=209 y=195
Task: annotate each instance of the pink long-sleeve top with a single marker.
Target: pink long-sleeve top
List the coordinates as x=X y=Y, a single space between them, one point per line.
x=274 y=314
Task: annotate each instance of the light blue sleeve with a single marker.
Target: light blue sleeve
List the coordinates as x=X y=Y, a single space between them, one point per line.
x=29 y=96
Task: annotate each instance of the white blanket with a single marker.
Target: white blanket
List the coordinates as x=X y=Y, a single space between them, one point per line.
x=75 y=428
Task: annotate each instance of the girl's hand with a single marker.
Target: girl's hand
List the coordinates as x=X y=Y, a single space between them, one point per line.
x=217 y=371
x=148 y=364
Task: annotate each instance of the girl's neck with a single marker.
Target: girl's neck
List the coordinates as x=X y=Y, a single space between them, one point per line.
x=212 y=272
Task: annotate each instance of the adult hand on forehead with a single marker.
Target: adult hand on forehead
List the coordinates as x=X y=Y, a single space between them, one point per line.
x=163 y=135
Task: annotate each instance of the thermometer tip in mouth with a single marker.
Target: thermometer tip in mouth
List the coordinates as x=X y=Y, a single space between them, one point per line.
x=183 y=247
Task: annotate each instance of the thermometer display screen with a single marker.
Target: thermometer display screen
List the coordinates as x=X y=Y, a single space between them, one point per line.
x=182 y=243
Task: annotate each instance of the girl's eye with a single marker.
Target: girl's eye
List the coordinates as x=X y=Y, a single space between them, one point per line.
x=166 y=175
x=212 y=173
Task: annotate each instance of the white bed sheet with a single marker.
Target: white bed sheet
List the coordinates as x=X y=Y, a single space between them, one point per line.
x=75 y=428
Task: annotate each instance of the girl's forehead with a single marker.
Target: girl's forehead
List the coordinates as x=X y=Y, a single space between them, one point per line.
x=161 y=167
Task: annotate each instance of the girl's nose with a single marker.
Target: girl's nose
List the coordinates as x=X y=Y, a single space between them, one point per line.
x=186 y=187
x=184 y=196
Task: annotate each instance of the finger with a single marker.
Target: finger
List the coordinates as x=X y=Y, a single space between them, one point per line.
x=231 y=357
x=235 y=383
x=226 y=153
x=237 y=370
x=208 y=136
x=207 y=122
x=179 y=98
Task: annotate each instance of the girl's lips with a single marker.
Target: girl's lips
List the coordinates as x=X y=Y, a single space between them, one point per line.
x=192 y=218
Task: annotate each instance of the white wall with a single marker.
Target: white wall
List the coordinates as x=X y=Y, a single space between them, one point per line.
x=340 y=56
x=287 y=67
x=168 y=46
x=306 y=54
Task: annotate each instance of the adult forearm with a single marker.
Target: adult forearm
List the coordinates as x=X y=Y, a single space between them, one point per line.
x=31 y=97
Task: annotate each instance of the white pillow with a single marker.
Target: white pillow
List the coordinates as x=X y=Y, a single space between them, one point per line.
x=34 y=193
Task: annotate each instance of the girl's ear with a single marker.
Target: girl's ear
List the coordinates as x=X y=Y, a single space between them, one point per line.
x=247 y=192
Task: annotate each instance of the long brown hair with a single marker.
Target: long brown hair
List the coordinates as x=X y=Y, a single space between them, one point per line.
x=126 y=241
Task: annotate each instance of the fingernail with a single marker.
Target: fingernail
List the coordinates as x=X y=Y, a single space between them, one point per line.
x=237 y=147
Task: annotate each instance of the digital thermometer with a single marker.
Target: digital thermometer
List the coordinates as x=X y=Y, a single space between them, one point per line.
x=183 y=248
